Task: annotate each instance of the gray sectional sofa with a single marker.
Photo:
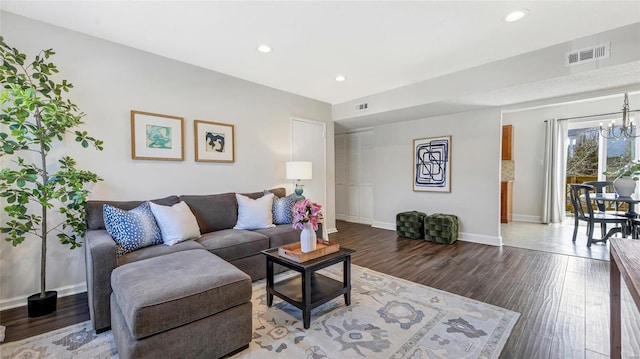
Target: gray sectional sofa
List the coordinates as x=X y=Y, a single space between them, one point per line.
x=216 y=214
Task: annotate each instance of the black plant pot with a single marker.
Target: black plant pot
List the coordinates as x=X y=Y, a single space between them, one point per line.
x=42 y=306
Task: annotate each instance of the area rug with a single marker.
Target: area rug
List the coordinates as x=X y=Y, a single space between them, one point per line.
x=388 y=318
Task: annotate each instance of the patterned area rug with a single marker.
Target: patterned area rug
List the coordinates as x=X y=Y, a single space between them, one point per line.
x=388 y=318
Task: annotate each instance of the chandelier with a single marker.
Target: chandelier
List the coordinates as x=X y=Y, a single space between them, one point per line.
x=627 y=129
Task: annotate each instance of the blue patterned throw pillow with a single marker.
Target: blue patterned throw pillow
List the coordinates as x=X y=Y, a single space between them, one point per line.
x=132 y=229
x=283 y=209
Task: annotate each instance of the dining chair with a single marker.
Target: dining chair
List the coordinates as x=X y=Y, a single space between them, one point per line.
x=599 y=187
x=582 y=202
x=635 y=228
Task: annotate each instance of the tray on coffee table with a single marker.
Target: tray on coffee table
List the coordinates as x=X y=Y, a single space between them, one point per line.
x=294 y=252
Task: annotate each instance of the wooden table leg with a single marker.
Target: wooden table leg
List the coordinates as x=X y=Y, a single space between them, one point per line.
x=614 y=298
x=269 y=282
x=306 y=298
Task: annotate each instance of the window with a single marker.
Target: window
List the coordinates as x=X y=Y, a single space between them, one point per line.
x=619 y=152
x=589 y=155
x=583 y=154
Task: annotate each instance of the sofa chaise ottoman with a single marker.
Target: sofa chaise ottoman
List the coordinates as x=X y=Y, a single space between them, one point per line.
x=188 y=304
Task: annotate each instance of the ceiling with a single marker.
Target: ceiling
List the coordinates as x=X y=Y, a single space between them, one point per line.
x=378 y=45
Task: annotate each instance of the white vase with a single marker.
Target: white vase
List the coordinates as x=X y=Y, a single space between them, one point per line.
x=625 y=186
x=308 y=240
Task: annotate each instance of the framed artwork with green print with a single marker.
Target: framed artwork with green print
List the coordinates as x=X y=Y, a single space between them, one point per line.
x=156 y=137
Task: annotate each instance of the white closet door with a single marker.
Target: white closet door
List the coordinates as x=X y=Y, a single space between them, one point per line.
x=355 y=196
x=341 y=176
x=341 y=158
x=366 y=157
x=353 y=159
x=353 y=214
x=366 y=204
x=366 y=177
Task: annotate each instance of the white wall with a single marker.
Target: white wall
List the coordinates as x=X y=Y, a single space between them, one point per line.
x=528 y=146
x=110 y=80
x=475 y=174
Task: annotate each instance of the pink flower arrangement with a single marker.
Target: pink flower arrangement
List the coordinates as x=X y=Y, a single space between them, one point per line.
x=305 y=211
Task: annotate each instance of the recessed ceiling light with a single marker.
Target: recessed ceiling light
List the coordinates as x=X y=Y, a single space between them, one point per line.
x=516 y=15
x=265 y=49
x=341 y=78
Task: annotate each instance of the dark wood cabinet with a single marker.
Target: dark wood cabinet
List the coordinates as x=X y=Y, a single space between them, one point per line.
x=507 y=142
x=506 y=201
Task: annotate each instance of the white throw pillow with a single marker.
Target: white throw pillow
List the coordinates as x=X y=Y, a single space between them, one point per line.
x=177 y=223
x=255 y=213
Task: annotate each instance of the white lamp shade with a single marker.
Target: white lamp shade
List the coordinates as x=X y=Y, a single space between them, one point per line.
x=297 y=170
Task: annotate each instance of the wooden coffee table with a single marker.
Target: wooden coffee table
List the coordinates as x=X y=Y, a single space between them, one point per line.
x=310 y=289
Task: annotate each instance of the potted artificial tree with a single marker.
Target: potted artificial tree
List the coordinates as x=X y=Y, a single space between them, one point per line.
x=35 y=187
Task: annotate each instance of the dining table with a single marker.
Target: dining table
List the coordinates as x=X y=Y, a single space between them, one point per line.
x=630 y=213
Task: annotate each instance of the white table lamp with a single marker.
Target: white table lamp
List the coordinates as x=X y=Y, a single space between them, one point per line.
x=298 y=170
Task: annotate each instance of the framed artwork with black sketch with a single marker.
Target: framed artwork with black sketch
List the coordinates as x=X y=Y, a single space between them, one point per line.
x=214 y=141
x=432 y=164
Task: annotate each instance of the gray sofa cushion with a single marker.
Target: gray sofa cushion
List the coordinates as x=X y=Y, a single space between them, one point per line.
x=157 y=251
x=95 y=217
x=280 y=235
x=162 y=293
x=213 y=212
x=279 y=192
x=230 y=244
x=284 y=234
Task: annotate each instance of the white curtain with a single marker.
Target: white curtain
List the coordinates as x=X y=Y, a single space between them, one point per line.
x=555 y=171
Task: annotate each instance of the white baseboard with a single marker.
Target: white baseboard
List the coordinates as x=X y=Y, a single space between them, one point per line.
x=466 y=237
x=332 y=230
x=62 y=292
x=480 y=238
x=384 y=225
x=527 y=218
x=358 y=220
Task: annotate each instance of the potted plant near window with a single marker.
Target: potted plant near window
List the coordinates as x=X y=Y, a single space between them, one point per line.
x=37 y=187
x=625 y=178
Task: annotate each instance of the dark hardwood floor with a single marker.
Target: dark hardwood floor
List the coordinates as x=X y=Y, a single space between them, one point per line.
x=71 y=310
x=563 y=300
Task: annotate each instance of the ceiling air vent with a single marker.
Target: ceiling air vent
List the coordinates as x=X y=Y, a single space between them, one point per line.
x=362 y=106
x=587 y=55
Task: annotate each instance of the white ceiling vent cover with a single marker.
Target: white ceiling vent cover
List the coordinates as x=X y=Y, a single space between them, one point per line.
x=589 y=54
x=362 y=106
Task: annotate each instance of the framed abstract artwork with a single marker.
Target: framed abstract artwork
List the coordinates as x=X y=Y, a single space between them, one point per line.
x=432 y=164
x=214 y=141
x=156 y=137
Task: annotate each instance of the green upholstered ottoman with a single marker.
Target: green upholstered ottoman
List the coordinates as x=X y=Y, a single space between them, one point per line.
x=441 y=228
x=410 y=224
